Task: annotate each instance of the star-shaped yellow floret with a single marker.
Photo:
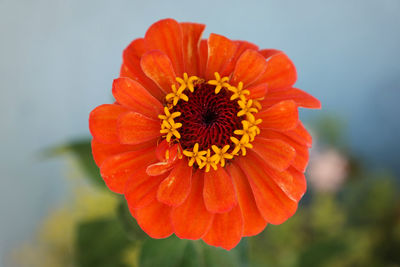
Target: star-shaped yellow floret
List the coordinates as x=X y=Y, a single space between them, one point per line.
x=241 y=144
x=195 y=155
x=246 y=108
x=219 y=82
x=208 y=162
x=238 y=92
x=177 y=94
x=221 y=154
x=247 y=130
x=170 y=128
x=253 y=123
x=169 y=116
x=187 y=82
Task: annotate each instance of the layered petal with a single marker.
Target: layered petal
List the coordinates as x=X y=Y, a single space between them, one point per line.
x=134 y=128
x=134 y=96
x=131 y=67
x=274 y=205
x=203 y=56
x=154 y=219
x=300 y=135
x=191 y=220
x=299 y=183
x=166 y=36
x=219 y=193
x=102 y=151
x=226 y=229
x=253 y=222
x=301 y=98
x=282 y=116
x=249 y=67
x=158 y=67
x=118 y=169
x=241 y=47
x=220 y=53
x=191 y=41
x=176 y=187
x=257 y=91
x=280 y=73
x=276 y=153
x=103 y=122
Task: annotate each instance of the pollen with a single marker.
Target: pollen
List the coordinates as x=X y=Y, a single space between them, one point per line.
x=221 y=154
x=246 y=108
x=208 y=162
x=195 y=155
x=177 y=94
x=238 y=92
x=187 y=82
x=219 y=82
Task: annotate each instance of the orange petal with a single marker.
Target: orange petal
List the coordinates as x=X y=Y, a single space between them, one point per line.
x=103 y=122
x=220 y=53
x=191 y=220
x=299 y=183
x=158 y=67
x=134 y=128
x=300 y=161
x=276 y=153
x=166 y=36
x=241 y=47
x=283 y=116
x=258 y=91
x=116 y=170
x=253 y=222
x=219 y=193
x=141 y=189
x=203 y=55
x=226 y=229
x=269 y=52
x=280 y=73
x=176 y=187
x=191 y=41
x=300 y=135
x=159 y=168
x=134 y=96
x=102 y=151
x=131 y=67
x=274 y=205
x=301 y=98
x=154 y=219
x=248 y=68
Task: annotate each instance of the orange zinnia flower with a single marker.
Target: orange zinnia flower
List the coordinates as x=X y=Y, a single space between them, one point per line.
x=204 y=138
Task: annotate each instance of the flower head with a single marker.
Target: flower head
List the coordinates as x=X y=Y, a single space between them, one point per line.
x=204 y=138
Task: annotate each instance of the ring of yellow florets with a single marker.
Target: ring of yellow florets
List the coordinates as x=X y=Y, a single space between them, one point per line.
x=217 y=156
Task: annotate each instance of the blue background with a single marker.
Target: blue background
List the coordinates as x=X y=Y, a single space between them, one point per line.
x=58 y=59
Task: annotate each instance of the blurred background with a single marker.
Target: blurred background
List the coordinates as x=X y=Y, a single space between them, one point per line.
x=58 y=59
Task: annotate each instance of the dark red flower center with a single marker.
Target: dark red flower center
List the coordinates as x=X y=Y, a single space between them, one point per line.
x=207 y=118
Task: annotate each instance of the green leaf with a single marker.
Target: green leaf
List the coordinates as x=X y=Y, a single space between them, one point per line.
x=101 y=243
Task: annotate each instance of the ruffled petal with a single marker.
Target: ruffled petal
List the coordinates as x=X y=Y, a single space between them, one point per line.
x=154 y=219
x=283 y=116
x=226 y=229
x=219 y=193
x=103 y=122
x=134 y=128
x=131 y=67
x=118 y=169
x=280 y=73
x=203 y=55
x=134 y=96
x=141 y=189
x=241 y=47
x=158 y=67
x=191 y=220
x=220 y=52
x=300 y=135
x=176 y=187
x=102 y=151
x=166 y=36
x=191 y=40
x=253 y=222
x=269 y=52
x=276 y=153
x=299 y=183
x=257 y=91
x=301 y=98
x=300 y=161
x=274 y=205
x=249 y=67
